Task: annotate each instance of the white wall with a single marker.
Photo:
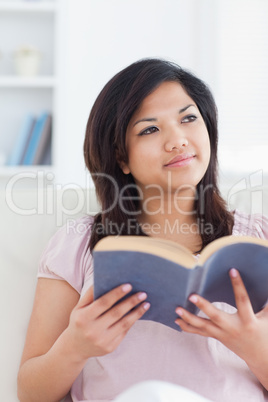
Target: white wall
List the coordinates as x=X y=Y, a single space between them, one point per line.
x=103 y=36
x=243 y=84
x=222 y=41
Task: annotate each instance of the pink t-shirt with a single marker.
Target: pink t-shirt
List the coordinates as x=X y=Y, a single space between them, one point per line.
x=152 y=351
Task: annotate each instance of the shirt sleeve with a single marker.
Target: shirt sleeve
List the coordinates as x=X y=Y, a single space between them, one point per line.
x=255 y=225
x=67 y=255
x=260 y=226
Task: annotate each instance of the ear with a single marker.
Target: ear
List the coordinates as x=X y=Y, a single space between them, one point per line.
x=123 y=165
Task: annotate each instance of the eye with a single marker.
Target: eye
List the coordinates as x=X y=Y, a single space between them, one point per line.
x=189 y=118
x=148 y=131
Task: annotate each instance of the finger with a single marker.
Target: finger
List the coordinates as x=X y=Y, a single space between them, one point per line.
x=126 y=322
x=194 y=324
x=116 y=312
x=117 y=336
x=243 y=304
x=219 y=318
x=186 y=327
x=105 y=302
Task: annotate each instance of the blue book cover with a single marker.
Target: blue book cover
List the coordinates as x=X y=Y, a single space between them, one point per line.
x=168 y=273
x=35 y=139
x=20 y=145
x=44 y=145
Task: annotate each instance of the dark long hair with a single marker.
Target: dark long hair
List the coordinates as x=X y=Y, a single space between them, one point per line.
x=105 y=144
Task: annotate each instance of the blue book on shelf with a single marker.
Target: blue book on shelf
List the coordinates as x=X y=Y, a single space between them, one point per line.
x=24 y=136
x=35 y=139
x=44 y=145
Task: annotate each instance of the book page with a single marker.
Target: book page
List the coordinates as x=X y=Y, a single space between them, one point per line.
x=160 y=247
x=225 y=241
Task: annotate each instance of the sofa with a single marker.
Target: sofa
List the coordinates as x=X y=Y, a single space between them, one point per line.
x=29 y=217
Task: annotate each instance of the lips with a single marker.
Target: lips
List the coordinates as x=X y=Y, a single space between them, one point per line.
x=180 y=160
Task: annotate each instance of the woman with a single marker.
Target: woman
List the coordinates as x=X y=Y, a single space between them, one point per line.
x=151 y=147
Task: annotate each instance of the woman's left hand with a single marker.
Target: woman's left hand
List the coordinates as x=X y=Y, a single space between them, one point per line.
x=244 y=332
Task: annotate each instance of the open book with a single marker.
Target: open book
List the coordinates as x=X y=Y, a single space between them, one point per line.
x=169 y=273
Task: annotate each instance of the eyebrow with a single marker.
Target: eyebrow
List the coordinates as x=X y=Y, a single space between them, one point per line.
x=154 y=119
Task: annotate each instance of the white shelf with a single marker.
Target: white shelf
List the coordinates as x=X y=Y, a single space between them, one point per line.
x=28 y=6
x=22 y=20
x=10 y=81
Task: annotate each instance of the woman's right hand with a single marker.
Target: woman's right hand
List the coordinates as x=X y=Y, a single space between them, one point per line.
x=97 y=327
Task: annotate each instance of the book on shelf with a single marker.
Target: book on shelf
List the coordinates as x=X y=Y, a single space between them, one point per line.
x=44 y=144
x=40 y=140
x=22 y=141
x=169 y=273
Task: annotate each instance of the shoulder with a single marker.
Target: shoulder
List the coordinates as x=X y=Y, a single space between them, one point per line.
x=255 y=225
x=67 y=255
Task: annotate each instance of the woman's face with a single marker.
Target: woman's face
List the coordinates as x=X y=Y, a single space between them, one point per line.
x=167 y=141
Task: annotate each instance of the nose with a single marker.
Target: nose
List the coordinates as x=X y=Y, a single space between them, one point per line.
x=175 y=139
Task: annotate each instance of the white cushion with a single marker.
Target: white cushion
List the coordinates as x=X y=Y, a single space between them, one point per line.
x=23 y=238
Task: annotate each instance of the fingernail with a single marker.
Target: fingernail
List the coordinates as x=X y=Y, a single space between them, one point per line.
x=233 y=273
x=146 y=306
x=142 y=296
x=179 y=311
x=193 y=298
x=126 y=288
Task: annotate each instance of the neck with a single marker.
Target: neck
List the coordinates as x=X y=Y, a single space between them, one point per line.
x=168 y=205
x=172 y=217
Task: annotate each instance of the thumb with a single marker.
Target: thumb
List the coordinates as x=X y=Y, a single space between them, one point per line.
x=86 y=299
